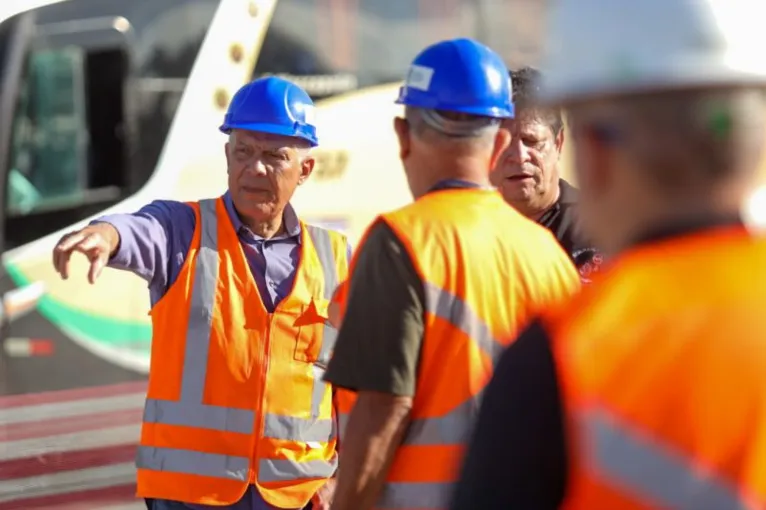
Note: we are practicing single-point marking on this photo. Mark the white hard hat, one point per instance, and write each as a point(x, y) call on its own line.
point(607, 47)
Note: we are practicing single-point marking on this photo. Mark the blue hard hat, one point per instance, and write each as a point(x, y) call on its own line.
point(459, 75)
point(272, 105)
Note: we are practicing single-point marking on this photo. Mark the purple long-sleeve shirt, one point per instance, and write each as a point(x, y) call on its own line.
point(154, 242)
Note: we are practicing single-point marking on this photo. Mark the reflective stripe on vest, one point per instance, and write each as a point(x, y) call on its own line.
point(190, 411)
point(651, 473)
point(453, 428)
point(323, 247)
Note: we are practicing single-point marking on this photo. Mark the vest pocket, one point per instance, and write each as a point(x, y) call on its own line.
point(316, 336)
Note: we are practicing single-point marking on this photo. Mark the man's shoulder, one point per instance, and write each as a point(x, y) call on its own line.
point(325, 230)
point(165, 212)
point(172, 206)
point(378, 232)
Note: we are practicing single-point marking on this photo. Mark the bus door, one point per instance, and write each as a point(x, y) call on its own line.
point(14, 41)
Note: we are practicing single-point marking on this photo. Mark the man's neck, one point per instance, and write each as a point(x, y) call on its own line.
point(673, 218)
point(265, 229)
point(465, 173)
point(538, 210)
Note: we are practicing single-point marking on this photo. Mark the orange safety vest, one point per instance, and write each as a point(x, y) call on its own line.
point(662, 368)
point(485, 269)
point(235, 393)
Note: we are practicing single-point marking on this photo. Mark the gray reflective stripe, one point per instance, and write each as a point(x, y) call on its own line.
point(323, 246)
point(422, 496)
point(451, 308)
point(189, 410)
point(285, 470)
point(320, 238)
point(298, 429)
point(342, 423)
point(652, 473)
point(203, 416)
point(190, 462)
point(454, 427)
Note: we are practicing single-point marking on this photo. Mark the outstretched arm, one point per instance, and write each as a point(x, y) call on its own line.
point(151, 239)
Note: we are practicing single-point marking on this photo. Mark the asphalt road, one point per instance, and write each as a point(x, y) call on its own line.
point(68, 367)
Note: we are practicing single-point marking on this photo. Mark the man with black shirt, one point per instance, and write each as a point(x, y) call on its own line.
point(528, 173)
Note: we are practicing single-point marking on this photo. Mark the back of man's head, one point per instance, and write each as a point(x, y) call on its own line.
point(455, 94)
point(452, 131)
point(649, 160)
point(682, 141)
point(438, 145)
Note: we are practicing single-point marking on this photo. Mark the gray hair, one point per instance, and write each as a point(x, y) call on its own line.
point(451, 127)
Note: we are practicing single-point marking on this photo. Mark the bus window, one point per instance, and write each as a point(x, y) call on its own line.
point(330, 48)
point(333, 47)
point(101, 85)
point(48, 153)
point(68, 148)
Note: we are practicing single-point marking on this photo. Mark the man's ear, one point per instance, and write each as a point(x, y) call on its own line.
point(402, 130)
point(593, 161)
point(502, 141)
point(560, 141)
point(228, 161)
point(307, 167)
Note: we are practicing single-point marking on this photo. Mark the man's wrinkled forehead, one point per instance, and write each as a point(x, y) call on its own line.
point(526, 119)
point(267, 140)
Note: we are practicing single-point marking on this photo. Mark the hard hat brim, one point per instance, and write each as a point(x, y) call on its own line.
point(565, 93)
point(483, 111)
point(272, 129)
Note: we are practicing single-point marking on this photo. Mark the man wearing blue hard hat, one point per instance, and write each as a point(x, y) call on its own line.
point(237, 415)
point(436, 286)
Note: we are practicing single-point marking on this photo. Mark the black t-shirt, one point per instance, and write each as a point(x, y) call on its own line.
point(561, 219)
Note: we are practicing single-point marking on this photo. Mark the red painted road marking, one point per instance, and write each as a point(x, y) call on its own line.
point(67, 425)
point(70, 450)
point(66, 461)
point(78, 394)
point(96, 499)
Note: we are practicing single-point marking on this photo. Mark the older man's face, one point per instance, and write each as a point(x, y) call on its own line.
point(264, 171)
point(527, 173)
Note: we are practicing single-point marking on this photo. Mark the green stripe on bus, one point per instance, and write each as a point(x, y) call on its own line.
point(103, 330)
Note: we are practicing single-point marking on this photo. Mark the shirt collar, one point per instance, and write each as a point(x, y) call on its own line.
point(456, 184)
point(290, 217)
point(568, 194)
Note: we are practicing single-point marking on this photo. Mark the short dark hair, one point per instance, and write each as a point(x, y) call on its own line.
point(526, 84)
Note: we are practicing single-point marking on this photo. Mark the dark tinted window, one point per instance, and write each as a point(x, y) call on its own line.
point(335, 47)
point(102, 83)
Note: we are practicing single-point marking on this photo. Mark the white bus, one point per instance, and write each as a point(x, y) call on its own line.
point(106, 105)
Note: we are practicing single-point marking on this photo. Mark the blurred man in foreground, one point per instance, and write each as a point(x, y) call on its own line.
point(646, 391)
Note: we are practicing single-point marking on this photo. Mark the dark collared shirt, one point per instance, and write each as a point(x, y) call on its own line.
point(561, 219)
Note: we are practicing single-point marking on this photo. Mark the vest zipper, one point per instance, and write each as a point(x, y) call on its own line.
point(259, 421)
